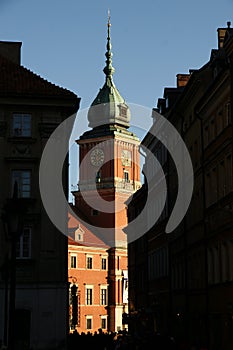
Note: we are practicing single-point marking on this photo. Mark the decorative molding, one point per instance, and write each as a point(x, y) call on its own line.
point(21, 150)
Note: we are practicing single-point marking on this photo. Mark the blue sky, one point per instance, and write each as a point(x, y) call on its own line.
point(152, 41)
point(65, 41)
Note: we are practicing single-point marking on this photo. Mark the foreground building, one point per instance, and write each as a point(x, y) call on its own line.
point(31, 109)
point(109, 172)
point(183, 281)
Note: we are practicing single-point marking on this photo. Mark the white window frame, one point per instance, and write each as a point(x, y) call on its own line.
point(89, 298)
point(126, 176)
point(106, 322)
point(73, 256)
point(103, 258)
point(89, 318)
point(104, 301)
point(87, 263)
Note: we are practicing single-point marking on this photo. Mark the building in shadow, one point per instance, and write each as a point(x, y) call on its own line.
point(183, 281)
point(31, 109)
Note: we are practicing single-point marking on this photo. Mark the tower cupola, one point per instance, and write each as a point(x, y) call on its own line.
point(109, 107)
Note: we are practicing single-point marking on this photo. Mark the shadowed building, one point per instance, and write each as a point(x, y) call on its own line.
point(31, 108)
point(188, 287)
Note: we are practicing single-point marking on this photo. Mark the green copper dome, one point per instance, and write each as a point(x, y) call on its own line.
point(109, 107)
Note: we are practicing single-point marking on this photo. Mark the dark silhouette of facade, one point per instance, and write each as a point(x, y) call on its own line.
point(31, 109)
point(183, 280)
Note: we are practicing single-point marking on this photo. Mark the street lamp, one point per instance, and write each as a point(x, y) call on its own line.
point(73, 302)
point(13, 219)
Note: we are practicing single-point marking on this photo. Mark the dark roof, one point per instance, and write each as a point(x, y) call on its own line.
point(19, 81)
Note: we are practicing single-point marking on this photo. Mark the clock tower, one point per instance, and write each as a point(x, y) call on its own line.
point(109, 160)
point(109, 173)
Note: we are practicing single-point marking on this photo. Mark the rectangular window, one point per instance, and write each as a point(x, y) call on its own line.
point(103, 263)
point(89, 296)
point(89, 262)
point(73, 261)
point(103, 323)
point(89, 322)
point(23, 244)
point(126, 176)
point(103, 296)
point(23, 180)
point(21, 125)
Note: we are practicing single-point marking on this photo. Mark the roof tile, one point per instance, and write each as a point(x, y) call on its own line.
point(18, 80)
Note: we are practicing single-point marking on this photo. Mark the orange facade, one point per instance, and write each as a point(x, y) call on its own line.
point(109, 174)
point(88, 271)
point(100, 276)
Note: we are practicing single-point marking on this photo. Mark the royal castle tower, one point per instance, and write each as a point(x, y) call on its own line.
point(109, 173)
point(109, 162)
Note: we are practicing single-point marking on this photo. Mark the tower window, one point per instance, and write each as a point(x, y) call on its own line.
point(126, 176)
point(123, 111)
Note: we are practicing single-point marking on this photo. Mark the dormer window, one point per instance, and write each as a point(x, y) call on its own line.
point(79, 234)
point(123, 111)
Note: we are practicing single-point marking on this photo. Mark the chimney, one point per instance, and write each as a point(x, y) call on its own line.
point(221, 35)
point(182, 79)
point(11, 50)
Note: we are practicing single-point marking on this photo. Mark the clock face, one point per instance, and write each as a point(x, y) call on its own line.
point(126, 157)
point(97, 157)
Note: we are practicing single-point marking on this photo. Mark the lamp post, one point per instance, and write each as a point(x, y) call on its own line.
point(73, 301)
point(12, 217)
